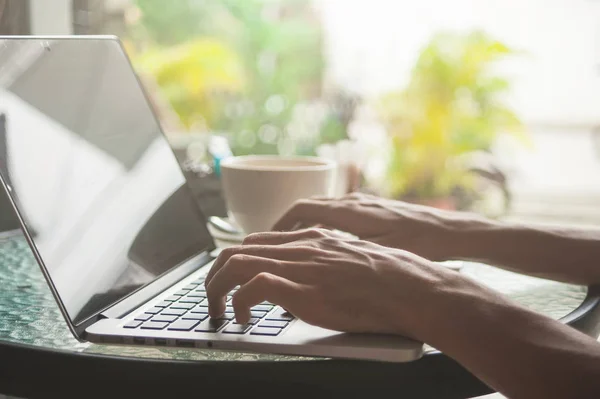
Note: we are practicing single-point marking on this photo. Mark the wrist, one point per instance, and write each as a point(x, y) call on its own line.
point(459, 310)
point(431, 305)
point(467, 237)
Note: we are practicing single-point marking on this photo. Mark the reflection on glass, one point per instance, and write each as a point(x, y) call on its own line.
point(94, 179)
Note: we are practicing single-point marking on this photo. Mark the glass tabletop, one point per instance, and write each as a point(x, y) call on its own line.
point(29, 314)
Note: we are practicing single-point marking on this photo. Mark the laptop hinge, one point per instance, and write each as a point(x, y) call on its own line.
point(155, 288)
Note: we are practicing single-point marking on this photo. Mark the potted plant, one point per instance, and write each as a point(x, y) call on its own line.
point(452, 107)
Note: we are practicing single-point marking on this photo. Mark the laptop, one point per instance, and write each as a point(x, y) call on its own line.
point(110, 218)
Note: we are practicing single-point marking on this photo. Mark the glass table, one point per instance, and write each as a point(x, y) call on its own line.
point(30, 319)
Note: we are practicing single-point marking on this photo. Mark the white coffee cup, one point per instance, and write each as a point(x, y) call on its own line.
point(259, 189)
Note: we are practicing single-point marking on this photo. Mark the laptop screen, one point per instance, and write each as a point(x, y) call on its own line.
point(94, 179)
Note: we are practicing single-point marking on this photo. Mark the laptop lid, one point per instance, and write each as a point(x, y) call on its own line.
point(99, 192)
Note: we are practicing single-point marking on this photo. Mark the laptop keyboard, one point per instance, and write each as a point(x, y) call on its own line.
point(187, 310)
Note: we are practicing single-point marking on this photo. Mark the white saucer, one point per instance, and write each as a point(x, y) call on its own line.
point(219, 235)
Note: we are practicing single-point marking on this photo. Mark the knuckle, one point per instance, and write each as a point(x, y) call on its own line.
point(316, 233)
point(238, 259)
point(303, 204)
point(323, 232)
point(254, 237)
point(234, 267)
point(228, 252)
point(264, 278)
point(330, 241)
point(403, 255)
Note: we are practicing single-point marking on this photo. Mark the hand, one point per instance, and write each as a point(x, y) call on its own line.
point(329, 281)
point(419, 229)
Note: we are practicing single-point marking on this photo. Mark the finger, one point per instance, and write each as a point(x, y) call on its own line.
point(298, 214)
point(322, 198)
point(274, 252)
point(310, 213)
point(305, 226)
point(282, 237)
point(357, 196)
point(267, 287)
point(238, 270)
point(322, 227)
point(272, 237)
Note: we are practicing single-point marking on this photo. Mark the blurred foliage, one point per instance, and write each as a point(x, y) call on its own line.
point(172, 23)
point(239, 67)
point(192, 75)
point(452, 106)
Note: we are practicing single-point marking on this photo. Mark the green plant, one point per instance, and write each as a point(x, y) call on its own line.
point(194, 77)
point(281, 48)
point(452, 106)
point(277, 63)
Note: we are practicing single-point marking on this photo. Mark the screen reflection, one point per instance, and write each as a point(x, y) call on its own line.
point(92, 175)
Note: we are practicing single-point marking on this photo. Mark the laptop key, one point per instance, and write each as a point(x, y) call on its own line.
point(230, 315)
point(183, 325)
point(163, 304)
point(265, 331)
point(280, 314)
point(204, 302)
point(257, 314)
point(190, 287)
point(173, 312)
point(195, 316)
point(153, 310)
point(273, 324)
point(154, 325)
point(200, 309)
point(180, 305)
point(172, 298)
point(252, 321)
point(227, 316)
point(133, 324)
point(237, 328)
point(164, 318)
point(143, 317)
point(181, 292)
point(262, 308)
point(195, 294)
point(211, 325)
point(191, 300)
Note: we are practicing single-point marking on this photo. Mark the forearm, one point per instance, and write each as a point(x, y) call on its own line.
point(517, 352)
point(564, 254)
